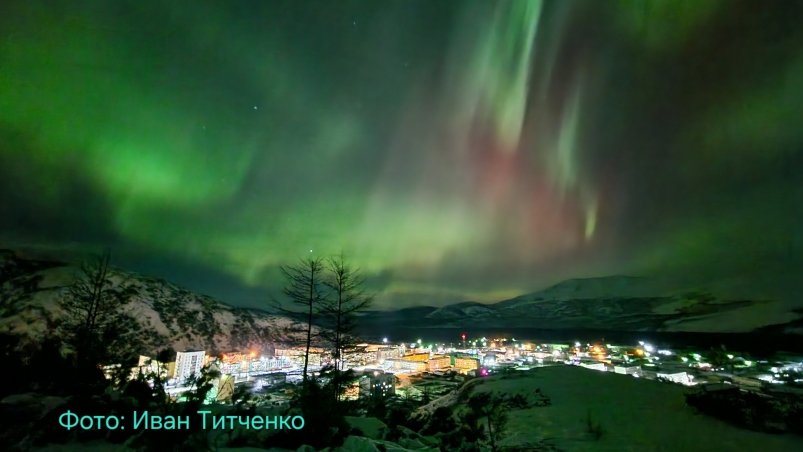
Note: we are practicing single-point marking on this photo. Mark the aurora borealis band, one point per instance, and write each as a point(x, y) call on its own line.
point(452, 150)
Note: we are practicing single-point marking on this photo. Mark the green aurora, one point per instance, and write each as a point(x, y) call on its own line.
point(452, 150)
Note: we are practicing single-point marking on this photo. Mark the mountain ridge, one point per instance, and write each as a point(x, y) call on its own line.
point(616, 302)
point(172, 316)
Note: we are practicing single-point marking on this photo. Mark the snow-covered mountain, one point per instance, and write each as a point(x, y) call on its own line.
point(30, 290)
point(623, 303)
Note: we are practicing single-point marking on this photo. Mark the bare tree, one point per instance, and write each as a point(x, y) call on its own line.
point(305, 290)
point(493, 408)
point(345, 299)
point(95, 322)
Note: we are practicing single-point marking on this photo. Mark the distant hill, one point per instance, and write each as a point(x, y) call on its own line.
point(173, 317)
point(624, 303)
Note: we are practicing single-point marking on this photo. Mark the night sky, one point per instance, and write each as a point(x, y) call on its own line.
point(454, 150)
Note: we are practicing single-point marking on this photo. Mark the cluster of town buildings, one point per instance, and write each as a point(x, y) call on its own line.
point(385, 367)
point(379, 364)
point(689, 367)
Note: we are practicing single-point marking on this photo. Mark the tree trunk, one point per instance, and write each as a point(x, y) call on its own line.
point(309, 324)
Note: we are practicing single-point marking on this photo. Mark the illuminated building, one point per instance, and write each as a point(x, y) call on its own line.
point(598, 352)
point(360, 355)
point(679, 377)
point(438, 362)
point(352, 391)
point(297, 355)
point(149, 366)
point(290, 352)
point(110, 370)
point(234, 358)
point(188, 364)
point(377, 384)
point(406, 365)
point(384, 353)
point(594, 366)
point(627, 370)
point(465, 364)
point(416, 356)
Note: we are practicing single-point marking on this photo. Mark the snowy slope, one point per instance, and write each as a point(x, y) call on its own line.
point(635, 415)
point(623, 303)
point(30, 291)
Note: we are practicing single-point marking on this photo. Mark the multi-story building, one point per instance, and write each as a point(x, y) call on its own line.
point(387, 352)
point(406, 365)
point(289, 352)
point(466, 364)
point(352, 391)
point(421, 356)
point(296, 355)
point(188, 363)
point(377, 384)
point(360, 355)
point(245, 364)
point(438, 363)
point(489, 359)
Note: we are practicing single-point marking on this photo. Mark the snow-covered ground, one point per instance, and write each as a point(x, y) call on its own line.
point(742, 319)
point(636, 415)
